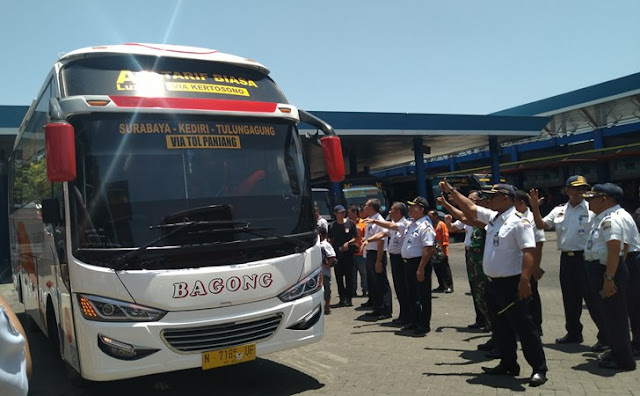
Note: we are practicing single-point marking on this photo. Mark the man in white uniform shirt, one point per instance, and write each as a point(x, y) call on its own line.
point(607, 273)
point(572, 221)
point(417, 248)
point(631, 239)
point(376, 257)
point(508, 263)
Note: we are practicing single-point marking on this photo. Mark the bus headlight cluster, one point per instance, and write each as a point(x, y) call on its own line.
point(305, 287)
point(108, 310)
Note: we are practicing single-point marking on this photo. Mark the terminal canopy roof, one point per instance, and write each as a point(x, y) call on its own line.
point(383, 140)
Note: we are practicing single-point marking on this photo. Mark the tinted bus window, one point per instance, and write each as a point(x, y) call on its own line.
point(166, 77)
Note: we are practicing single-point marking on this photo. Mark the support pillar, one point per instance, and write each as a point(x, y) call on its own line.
point(421, 183)
point(494, 152)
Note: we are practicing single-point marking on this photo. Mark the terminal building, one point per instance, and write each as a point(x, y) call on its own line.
point(593, 131)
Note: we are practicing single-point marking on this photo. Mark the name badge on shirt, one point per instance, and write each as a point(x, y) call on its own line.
point(496, 240)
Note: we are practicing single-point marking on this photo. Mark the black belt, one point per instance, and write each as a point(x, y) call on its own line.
point(502, 278)
point(573, 253)
point(412, 258)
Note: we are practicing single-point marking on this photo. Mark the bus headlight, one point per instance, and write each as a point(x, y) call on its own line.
point(305, 287)
point(104, 309)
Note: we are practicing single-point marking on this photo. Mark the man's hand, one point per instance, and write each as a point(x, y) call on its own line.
point(524, 288)
point(608, 289)
point(445, 187)
point(420, 275)
point(534, 198)
point(369, 220)
point(345, 247)
point(378, 267)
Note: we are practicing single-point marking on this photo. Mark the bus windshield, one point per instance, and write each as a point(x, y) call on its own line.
point(167, 77)
point(360, 195)
point(140, 177)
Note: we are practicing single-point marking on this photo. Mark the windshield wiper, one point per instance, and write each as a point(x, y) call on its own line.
point(121, 262)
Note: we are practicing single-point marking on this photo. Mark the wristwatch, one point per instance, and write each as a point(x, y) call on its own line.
point(608, 277)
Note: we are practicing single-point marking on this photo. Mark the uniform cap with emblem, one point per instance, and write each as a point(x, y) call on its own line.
point(422, 201)
point(605, 190)
point(577, 181)
point(506, 189)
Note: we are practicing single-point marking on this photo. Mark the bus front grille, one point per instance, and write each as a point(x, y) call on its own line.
point(207, 338)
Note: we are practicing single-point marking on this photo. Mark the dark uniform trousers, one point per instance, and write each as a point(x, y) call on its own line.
point(575, 288)
point(442, 269)
point(536, 305)
point(399, 284)
point(419, 293)
point(512, 317)
point(344, 275)
point(614, 310)
point(378, 284)
point(633, 297)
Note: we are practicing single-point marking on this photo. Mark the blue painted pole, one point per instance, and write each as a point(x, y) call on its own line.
point(494, 150)
point(421, 183)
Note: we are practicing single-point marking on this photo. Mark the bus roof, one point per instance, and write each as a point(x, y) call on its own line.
point(167, 50)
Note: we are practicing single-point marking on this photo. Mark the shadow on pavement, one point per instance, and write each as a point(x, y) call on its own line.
point(591, 366)
point(568, 348)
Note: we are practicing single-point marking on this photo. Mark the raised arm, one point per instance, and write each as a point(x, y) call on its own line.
point(535, 200)
point(467, 206)
point(383, 223)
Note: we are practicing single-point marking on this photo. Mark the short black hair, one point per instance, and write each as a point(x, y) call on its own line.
point(522, 195)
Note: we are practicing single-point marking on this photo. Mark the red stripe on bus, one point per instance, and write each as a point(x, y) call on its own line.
point(194, 104)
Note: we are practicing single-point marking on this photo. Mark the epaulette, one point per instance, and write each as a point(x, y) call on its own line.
point(519, 214)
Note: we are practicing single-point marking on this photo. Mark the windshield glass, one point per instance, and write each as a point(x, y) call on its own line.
point(150, 76)
point(140, 178)
point(360, 195)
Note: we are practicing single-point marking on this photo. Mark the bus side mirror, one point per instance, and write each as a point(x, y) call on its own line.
point(51, 211)
point(332, 151)
point(61, 151)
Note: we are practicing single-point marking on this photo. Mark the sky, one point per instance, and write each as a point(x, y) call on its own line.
point(422, 56)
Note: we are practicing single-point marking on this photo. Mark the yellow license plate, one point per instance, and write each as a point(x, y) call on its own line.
point(228, 356)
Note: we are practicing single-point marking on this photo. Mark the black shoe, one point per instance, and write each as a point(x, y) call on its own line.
point(439, 289)
point(476, 325)
point(384, 316)
point(493, 354)
point(487, 346)
point(348, 303)
point(537, 379)
point(569, 339)
point(613, 365)
point(399, 322)
point(605, 356)
point(420, 331)
point(599, 347)
point(411, 326)
point(367, 304)
point(373, 313)
point(448, 290)
point(339, 305)
point(503, 370)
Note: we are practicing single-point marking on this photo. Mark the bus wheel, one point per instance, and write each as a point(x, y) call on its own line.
point(52, 331)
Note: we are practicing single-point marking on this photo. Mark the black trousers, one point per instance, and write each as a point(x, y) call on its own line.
point(511, 318)
point(379, 288)
point(575, 288)
point(398, 268)
point(536, 305)
point(418, 293)
point(614, 311)
point(344, 275)
point(443, 273)
point(633, 297)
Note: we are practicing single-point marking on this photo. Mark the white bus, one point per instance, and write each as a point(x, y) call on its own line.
point(161, 214)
